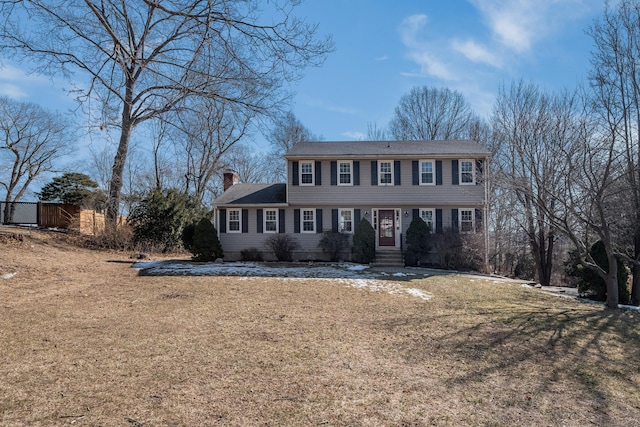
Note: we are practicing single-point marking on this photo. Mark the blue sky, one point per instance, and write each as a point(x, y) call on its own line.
point(384, 48)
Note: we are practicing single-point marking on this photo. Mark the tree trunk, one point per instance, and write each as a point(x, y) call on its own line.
point(635, 270)
point(115, 186)
point(611, 281)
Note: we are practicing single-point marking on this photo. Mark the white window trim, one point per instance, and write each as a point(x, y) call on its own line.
point(239, 230)
point(433, 171)
point(352, 220)
point(380, 162)
point(313, 173)
point(313, 222)
point(433, 217)
point(473, 220)
point(350, 162)
point(473, 172)
point(264, 221)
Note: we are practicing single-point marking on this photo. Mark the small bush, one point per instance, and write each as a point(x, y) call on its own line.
point(592, 286)
point(251, 254)
point(364, 243)
point(418, 244)
point(206, 245)
point(282, 246)
point(458, 251)
point(333, 243)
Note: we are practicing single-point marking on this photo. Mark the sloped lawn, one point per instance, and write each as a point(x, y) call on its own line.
point(87, 341)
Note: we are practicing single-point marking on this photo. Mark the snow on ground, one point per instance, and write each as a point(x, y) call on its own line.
point(353, 275)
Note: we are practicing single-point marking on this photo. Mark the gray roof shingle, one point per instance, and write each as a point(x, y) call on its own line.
point(253, 194)
point(376, 149)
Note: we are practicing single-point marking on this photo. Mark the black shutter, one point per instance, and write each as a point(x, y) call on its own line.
point(259, 222)
point(396, 172)
point(296, 220)
point(295, 172)
point(479, 228)
point(454, 172)
point(318, 220)
point(415, 173)
point(334, 220)
point(479, 170)
point(438, 172)
point(454, 219)
point(281, 228)
point(223, 221)
point(334, 172)
point(356, 218)
point(374, 172)
point(245, 220)
point(439, 221)
point(356, 172)
point(416, 213)
point(318, 170)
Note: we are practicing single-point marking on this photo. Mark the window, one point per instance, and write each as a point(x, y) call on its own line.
point(306, 173)
point(233, 221)
point(385, 172)
point(345, 220)
point(426, 172)
point(428, 216)
point(466, 220)
point(270, 220)
point(308, 221)
point(466, 172)
point(344, 173)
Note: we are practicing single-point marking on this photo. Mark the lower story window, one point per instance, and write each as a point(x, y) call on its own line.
point(427, 216)
point(234, 221)
point(270, 221)
point(345, 219)
point(308, 221)
point(466, 220)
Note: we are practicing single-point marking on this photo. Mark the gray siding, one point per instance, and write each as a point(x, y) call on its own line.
point(405, 194)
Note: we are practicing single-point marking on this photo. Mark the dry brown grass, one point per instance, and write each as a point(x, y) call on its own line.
point(86, 341)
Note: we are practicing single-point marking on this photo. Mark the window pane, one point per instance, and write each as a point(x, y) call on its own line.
point(271, 220)
point(385, 173)
point(345, 173)
point(346, 221)
point(466, 172)
point(427, 173)
point(466, 220)
point(306, 173)
point(308, 223)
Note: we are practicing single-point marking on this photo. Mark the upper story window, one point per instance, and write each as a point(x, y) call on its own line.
point(428, 216)
point(466, 220)
point(467, 172)
point(427, 172)
point(345, 173)
point(345, 220)
point(306, 173)
point(385, 172)
point(308, 221)
point(233, 220)
point(270, 220)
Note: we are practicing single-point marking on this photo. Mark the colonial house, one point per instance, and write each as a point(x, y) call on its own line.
point(331, 186)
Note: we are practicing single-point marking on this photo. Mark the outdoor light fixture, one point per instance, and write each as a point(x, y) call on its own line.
point(406, 213)
point(366, 213)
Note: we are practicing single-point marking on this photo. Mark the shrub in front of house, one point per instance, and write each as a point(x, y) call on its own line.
point(251, 254)
point(282, 246)
point(457, 251)
point(364, 243)
point(418, 244)
point(206, 245)
point(333, 243)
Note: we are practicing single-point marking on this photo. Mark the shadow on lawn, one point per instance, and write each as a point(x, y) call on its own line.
point(588, 352)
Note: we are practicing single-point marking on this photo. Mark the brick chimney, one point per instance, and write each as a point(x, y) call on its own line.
point(230, 178)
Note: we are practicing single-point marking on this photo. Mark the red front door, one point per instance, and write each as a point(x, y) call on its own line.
point(386, 228)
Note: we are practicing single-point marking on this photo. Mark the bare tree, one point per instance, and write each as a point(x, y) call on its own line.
point(375, 133)
point(285, 133)
point(32, 140)
point(528, 122)
point(145, 58)
point(615, 75)
point(431, 114)
point(250, 166)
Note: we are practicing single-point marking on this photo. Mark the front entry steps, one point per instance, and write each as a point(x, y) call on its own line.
point(389, 258)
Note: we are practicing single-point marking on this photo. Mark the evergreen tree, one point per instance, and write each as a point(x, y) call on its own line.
point(417, 241)
point(364, 243)
point(206, 245)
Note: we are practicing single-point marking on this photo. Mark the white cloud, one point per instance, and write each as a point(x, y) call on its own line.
point(421, 52)
point(12, 91)
point(519, 24)
point(332, 108)
point(359, 136)
point(476, 52)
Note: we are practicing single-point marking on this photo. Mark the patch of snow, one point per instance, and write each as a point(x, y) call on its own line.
point(629, 307)
point(354, 267)
point(8, 275)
